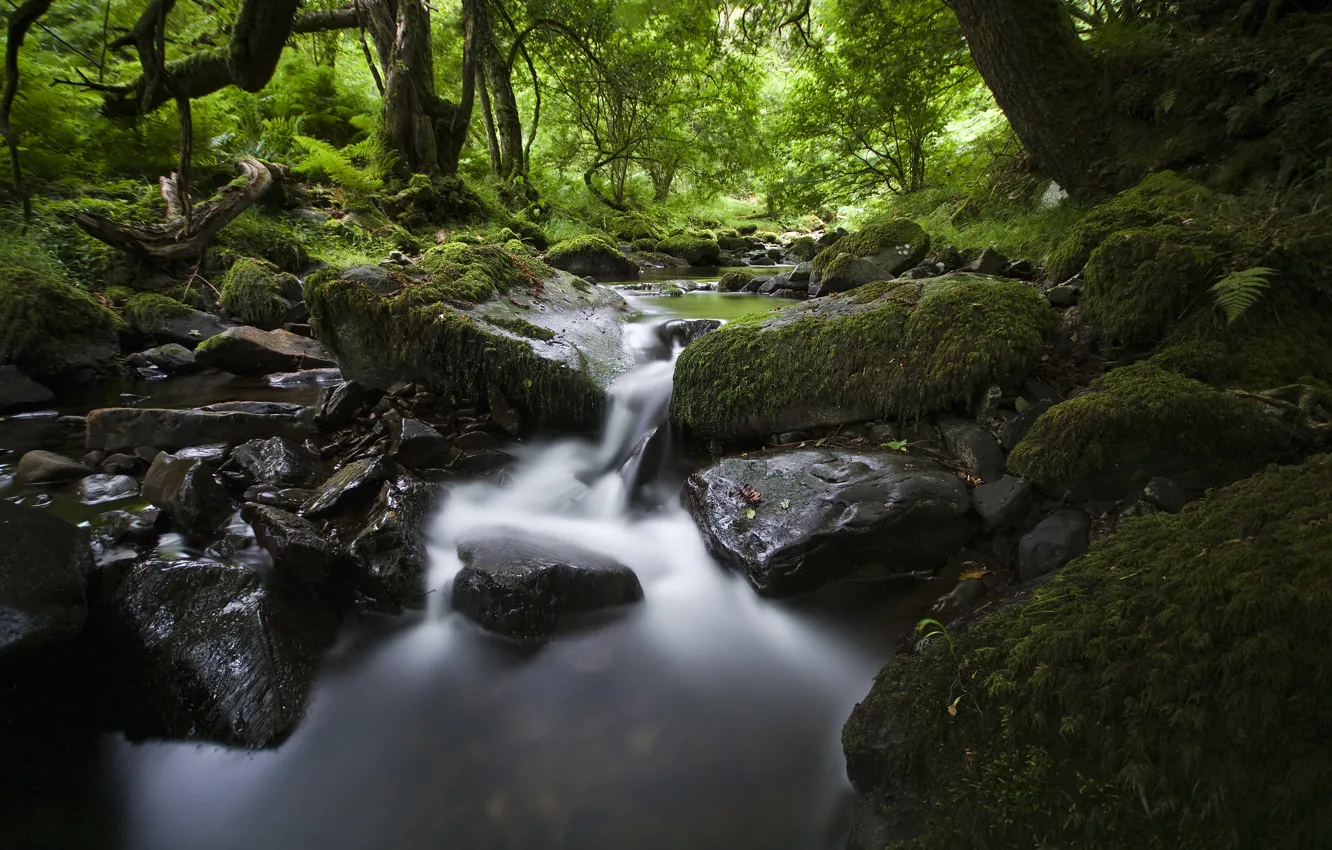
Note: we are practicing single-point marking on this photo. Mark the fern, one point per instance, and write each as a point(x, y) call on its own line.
point(1238, 291)
point(354, 168)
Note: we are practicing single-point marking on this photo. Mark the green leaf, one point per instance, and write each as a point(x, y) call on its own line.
point(1238, 291)
point(751, 513)
point(786, 504)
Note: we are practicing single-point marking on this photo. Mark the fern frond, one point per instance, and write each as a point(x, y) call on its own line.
point(1238, 291)
point(323, 161)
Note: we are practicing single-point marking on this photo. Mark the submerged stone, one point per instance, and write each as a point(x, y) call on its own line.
point(798, 520)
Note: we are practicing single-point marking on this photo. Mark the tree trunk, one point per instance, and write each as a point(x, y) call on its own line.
point(488, 119)
point(1048, 85)
point(507, 120)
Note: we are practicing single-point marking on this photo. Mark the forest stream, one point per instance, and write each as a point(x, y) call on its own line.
point(705, 717)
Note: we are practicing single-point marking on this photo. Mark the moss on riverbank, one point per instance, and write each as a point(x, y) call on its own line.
point(48, 327)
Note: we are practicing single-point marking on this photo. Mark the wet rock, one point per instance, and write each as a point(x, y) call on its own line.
point(202, 650)
point(1056, 540)
point(120, 429)
point(123, 464)
point(213, 454)
point(301, 551)
point(339, 405)
point(474, 441)
point(390, 551)
point(1016, 429)
point(503, 413)
point(681, 332)
point(483, 460)
point(258, 408)
point(93, 459)
point(43, 467)
point(250, 351)
point(306, 377)
point(822, 515)
point(1002, 504)
point(185, 488)
point(521, 590)
point(1063, 296)
point(279, 462)
point(106, 488)
point(189, 327)
point(19, 392)
point(116, 527)
point(356, 482)
point(1166, 494)
point(44, 564)
point(975, 449)
point(172, 358)
point(414, 443)
point(801, 273)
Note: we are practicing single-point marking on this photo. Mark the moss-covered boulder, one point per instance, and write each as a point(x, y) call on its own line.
point(474, 318)
point(892, 348)
point(696, 250)
point(164, 319)
point(1141, 282)
point(879, 251)
point(257, 293)
point(1161, 198)
point(1165, 690)
point(49, 328)
point(734, 281)
point(1143, 421)
point(631, 227)
point(584, 255)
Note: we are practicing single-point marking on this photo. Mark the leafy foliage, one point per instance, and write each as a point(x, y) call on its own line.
point(1238, 291)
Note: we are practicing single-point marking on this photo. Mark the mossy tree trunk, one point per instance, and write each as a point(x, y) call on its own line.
point(508, 124)
point(1047, 83)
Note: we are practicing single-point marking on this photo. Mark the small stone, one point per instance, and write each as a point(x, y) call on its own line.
point(1003, 503)
point(356, 482)
point(1063, 296)
point(339, 405)
point(415, 444)
point(279, 462)
point(1166, 494)
point(976, 449)
point(123, 464)
point(989, 262)
point(185, 488)
point(1056, 540)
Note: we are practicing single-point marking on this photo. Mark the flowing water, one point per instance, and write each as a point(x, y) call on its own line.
point(702, 717)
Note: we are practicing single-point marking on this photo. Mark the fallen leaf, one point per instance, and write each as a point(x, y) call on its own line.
point(750, 495)
point(786, 504)
point(751, 513)
point(970, 574)
point(952, 709)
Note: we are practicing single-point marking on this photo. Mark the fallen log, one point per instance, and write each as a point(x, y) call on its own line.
point(180, 238)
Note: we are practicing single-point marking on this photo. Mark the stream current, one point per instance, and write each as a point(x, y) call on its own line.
point(703, 717)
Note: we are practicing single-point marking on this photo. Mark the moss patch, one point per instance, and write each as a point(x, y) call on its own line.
point(49, 327)
point(1140, 421)
point(1141, 282)
point(1161, 198)
point(898, 233)
point(466, 274)
point(1165, 690)
point(734, 281)
point(694, 249)
point(522, 327)
point(149, 312)
point(593, 254)
point(253, 290)
point(895, 348)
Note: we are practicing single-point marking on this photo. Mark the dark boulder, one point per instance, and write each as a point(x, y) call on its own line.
point(122, 429)
point(203, 650)
point(301, 551)
point(339, 405)
point(390, 551)
point(413, 443)
point(681, 332)
point(520, 590)
point(185, 488)
point(1056, 540)
point(1002, 504)
point(798, 520)
point(355, 483)
point(279, 462)
point(44, 564)
point(172, 358)
point(250, 351)
point(19, 392)
point(43, 467)
point(975, 449)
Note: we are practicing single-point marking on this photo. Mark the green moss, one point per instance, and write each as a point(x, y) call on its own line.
point(896, 348)
point(872, 239)
point(45, 321)
point(571, 251)
point(461, 273)
point(671, 290)
point(253, 290)
point(1161, 198)
point(804, 248)
point(522, 327)
point(697, 250)
point(646, 246)
point(1140, 421)
point(254, 234)
point(1141, 282)
point(530, 232)
point(149, 312)
point(1166, 690)
point(734, 281)
point(632, 226)
point(118, 295)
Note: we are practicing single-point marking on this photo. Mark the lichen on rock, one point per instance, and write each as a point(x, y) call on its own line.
point(891, 348)
point(1091, 716)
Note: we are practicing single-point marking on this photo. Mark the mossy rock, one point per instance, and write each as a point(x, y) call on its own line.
point(530, 232)
point(631, 227)
point(1161, 198)
point(50, 328)
point(584, 255)
point(644, 246)
point(803, 248)
point(258, 293)
point(1165, 690)
point(1139, 283)
point(894, 245)
point(255, 234)
point(1139, 422)
point(483, 319)
point(897, 348)
point(431, 200)
point(694, 249)
point(734, 281)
